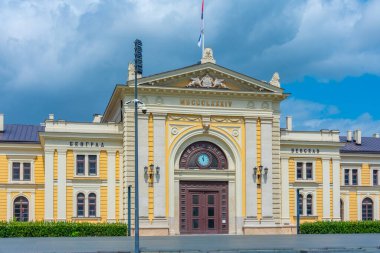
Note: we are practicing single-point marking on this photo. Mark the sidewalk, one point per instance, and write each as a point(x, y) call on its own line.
point(193, 244)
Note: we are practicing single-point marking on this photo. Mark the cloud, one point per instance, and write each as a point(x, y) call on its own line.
point(334, 39)
point(309, 115)
point(51, 43)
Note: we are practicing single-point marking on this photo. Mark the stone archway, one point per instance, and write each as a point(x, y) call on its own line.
point(203, 155)
point(231, 175)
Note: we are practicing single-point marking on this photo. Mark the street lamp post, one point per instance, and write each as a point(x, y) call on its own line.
point(298, 211)
point(138, 70)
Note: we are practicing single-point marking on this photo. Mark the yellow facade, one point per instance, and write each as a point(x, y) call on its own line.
point(4, 170)
point(353, 206)
point(258, 150)
point(150, 161)
point(365, 174)
point(3, 205)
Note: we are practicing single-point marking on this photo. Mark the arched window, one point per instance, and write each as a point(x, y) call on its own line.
point(367, 209)
point(203, 155)
point(341, 210)
point(309, 204)
point(80, 205)
point(21, 209)
point(92, 205)
point(300, 207)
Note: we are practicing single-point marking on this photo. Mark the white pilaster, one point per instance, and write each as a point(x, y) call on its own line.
point(111, 185)
point(251, 162)
point(61, 202)
point(376, 207)
point(326, 188)
point(159, 160)
point(143, 161)
point(346, 207)
point(285, 191)
point(121, 185)
point(266, 181)
point(49, 184)
point(336, 189)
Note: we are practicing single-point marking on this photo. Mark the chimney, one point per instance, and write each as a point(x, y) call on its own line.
point(97, 118)
point(376, 135)
point(349, 135)
point(51, 116)
point(358, 137)
point(289, 123)
point(1, 122)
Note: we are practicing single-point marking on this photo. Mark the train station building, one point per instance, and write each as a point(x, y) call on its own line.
point(213, 159)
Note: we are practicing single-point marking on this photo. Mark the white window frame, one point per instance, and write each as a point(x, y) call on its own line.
point(378, 175)
point(86, 190)
point(86, 166)
point(20, 192)
point(304, 203)
point(375, 201)
point(350, 175)
point(21, 161)
point(304, 170)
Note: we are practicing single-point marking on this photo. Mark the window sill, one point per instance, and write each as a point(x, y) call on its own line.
point(86, 218)
point(307, 217)
point(305, 180)
point(84, 176)
point(21, 182)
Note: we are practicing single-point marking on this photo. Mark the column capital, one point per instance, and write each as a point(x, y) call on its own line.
point(61, 150)
point(266, 120)
point(250, 119)
point(49, 151)
point(159, 116)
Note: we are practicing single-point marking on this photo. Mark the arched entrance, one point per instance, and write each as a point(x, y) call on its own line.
point(203, 204)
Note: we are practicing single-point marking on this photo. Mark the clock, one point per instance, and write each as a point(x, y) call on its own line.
point(204, 160)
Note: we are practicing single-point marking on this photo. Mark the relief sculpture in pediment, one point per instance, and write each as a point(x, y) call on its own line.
point(207, 82)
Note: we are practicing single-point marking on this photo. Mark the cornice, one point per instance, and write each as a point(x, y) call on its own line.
point(175, 91)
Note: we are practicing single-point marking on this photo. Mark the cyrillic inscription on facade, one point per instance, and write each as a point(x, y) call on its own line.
point(305, 150)
point(206, 102)
point(86, 144)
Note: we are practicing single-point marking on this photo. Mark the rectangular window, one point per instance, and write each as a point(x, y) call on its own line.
point(309, 205)
point(27, 171)
point(300, 171)
point(375, 177)
point(92, 164)
point(16, 171)
point(309, 171)
point(346, 177)
point(300, 204)
point(354, 177)
point(80, 164)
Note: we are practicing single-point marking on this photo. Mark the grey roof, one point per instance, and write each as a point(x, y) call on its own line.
point(21, 133)
point(369, 145)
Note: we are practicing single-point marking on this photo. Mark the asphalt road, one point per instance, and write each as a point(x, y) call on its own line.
point(194, 244)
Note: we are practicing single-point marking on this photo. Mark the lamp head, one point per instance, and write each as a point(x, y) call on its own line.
point(146, 170)
point(157, 170)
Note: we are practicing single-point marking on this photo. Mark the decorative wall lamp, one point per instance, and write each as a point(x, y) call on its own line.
point(150, 172)
point(258, 172)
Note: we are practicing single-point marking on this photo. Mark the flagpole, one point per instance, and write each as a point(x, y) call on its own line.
point(203, 37)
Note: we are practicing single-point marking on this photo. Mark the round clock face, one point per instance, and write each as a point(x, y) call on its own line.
point(204, 160)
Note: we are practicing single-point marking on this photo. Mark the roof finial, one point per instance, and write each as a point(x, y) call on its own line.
point(131, 72)
point(275, 81)
point(208, 56)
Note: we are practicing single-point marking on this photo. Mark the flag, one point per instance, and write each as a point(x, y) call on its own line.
point(202, 26)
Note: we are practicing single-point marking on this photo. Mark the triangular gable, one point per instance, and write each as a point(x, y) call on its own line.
point(207, 76)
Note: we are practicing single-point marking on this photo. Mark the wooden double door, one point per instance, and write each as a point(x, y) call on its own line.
point(203, 207)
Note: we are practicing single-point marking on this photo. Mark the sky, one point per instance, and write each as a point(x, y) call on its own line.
point(65, 57)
